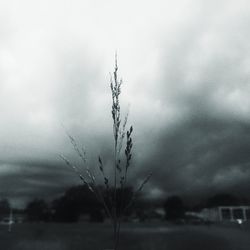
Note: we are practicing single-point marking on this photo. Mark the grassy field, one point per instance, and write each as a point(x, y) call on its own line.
point(133, 237)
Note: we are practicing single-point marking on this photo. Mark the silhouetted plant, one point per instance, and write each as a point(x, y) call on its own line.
point(115, 200)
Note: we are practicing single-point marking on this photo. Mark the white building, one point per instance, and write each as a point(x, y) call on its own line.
point(226, 213)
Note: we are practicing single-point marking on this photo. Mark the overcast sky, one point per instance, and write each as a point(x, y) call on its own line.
point(186, 71)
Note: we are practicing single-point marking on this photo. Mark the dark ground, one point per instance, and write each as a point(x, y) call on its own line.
point(154, 236)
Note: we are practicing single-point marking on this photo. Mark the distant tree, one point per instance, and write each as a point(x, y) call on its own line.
point(37, 210)
point(223, 200)
point(174, 208)
point(64, 210)
point(4, 206)
point(141, 207)
point(76, 201)
point(96, 215)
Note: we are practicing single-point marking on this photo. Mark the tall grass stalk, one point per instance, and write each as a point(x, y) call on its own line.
point(121, 165)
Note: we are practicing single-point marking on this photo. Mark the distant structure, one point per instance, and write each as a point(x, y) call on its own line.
point(234, 213)
point(11, 218)
point(226, 213)
point(11, 221)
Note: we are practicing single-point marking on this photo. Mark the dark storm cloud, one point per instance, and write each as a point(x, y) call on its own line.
point(202, 154)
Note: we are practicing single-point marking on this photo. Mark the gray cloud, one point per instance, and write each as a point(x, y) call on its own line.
point(186, 72)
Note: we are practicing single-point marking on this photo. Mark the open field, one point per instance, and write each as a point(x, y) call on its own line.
point(158, 236)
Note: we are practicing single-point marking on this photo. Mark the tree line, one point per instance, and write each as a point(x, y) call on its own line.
point(78, 201)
